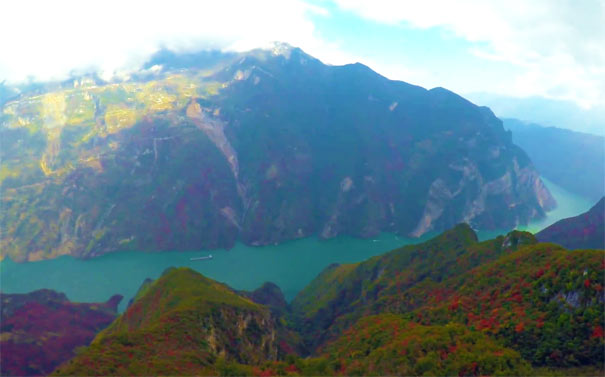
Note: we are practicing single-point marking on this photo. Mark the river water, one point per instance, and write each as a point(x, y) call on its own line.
point(290, 265)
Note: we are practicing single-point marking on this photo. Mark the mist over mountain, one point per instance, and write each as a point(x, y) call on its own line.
point(545, 112)
point(573, 160)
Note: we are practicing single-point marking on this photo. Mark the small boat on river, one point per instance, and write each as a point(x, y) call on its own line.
point(202, 258)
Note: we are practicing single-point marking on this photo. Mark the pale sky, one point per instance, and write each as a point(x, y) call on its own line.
point(520, 48)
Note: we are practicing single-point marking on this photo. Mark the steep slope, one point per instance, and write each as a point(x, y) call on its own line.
point(585, 231)
point(572, 160)
point(387, 345)
point(262, 146)
point(182, 324)
point(42, 329)
point(537, 298)
point(342, 294)
point(543, 300)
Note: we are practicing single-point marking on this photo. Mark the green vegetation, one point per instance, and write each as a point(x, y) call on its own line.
point(542, 300)
point(182, 324)
point(388, 345)
point(270, 136)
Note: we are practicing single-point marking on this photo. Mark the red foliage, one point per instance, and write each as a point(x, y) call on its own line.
point(587, 283)
point(291, 368)
point(47, 335)
point(597, 332)
point(539, 273)
point(454, 305)
point(520, 327)
point(266, 373)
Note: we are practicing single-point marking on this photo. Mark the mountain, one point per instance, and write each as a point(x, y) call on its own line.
point(342, 294)
point(198, 151)
point(544, 301)
point(42, 329)
point(572, 160)
point(545, 111)
point(449, 306)
point(183, 324)
point(537, 298)
point(585, 231)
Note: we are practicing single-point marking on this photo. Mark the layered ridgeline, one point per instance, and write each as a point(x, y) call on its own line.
point(199, 151)
point(585, 231)
point(572, 160)
point(450, 306)
point(42, 329)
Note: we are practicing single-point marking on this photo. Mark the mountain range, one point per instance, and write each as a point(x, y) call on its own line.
point(199, 151)
point(572, 160)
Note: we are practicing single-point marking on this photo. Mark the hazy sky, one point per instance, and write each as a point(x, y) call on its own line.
point(550, 48)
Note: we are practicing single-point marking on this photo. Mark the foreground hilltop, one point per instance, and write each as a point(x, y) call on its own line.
point(449, 306)
point(198, 151)
point(184, 324)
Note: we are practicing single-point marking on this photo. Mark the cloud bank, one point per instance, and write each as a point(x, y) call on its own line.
point(48, 40)
point(557, 45)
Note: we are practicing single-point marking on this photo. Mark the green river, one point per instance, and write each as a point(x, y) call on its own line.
point(291, 265)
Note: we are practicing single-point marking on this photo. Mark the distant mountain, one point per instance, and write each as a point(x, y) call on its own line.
point(572, 160)
point(585, 231)
point(198, 151)
point(449, 306)
point(42, 329)
point(544, 111)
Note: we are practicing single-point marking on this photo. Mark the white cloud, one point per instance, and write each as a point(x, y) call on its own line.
point(48, 39)
point(557, 43)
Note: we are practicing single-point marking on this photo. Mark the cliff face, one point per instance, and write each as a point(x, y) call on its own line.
point(42, 329)
point(264, 147)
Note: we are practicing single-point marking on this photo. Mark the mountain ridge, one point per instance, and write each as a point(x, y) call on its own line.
point(262, 147)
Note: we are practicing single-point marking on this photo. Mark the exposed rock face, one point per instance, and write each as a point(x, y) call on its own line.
point(42, 329)
point(257, 147)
